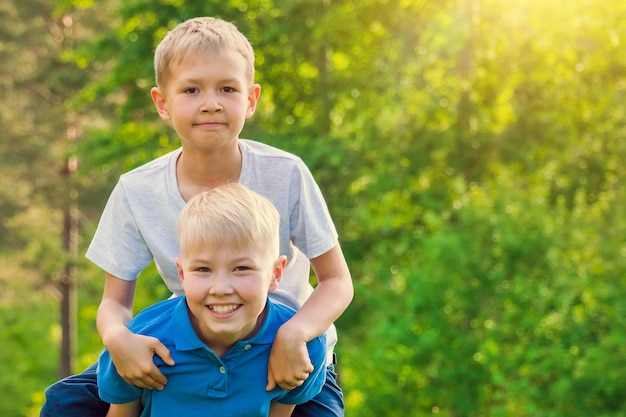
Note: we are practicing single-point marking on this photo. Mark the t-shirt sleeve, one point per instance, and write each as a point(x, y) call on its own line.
point(316, 380)
point(118, 246)
point(312, 228)
point(111, 387)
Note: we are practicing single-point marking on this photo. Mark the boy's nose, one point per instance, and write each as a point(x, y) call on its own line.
point(220, 284)
point(211, 104)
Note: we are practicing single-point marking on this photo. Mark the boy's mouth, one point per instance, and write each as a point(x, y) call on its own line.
point(224, 309)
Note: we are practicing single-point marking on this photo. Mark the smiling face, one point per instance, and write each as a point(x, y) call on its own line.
point(207, 98)
point(229, 260)
point(226, 291)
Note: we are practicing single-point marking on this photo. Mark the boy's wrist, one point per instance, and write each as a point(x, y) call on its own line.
point(113, 334)
point(294, 330)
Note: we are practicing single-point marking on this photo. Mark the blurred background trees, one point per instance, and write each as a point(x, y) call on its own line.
point(471, 152)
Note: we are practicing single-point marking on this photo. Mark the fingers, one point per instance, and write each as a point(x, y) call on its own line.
point(149, 382)
point(291, 382)
point(289, 365)
point(162, 352)
point(310, 368)
point(298, 381)
point(304, 376)
point(150, 379)
point(271, 382)
point(149, 376)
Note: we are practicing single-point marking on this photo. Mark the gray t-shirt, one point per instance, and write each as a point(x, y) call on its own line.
point(138, 223)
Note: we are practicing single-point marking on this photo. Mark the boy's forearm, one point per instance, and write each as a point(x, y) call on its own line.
point(115, 309)
point(325, 305)
point(111, 317)
point(281, 410)
point(331, 296)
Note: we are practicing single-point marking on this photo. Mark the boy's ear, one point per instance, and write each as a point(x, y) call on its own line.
point(279, 268)
point(179, 266)
point(253, 97)
point(160, 103)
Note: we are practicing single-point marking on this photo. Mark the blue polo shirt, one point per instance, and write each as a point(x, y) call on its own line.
point(201, 382)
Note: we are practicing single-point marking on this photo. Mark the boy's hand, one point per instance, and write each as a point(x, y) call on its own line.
point(289, 363)
point(132, 356)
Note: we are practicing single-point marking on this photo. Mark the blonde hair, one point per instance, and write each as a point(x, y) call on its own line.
point(230, 215)
point(200, 35)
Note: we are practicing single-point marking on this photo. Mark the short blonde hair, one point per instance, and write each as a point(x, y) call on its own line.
point(200, 35)
point(230, 215)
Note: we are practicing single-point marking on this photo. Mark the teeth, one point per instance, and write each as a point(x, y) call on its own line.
point(224, 309)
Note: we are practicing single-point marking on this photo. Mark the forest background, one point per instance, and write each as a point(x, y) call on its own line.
point(472, 152)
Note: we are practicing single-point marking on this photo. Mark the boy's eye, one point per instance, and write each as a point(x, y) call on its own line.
point(242, 268)
point(203, 269)
point(228, 89)
point(191, 90)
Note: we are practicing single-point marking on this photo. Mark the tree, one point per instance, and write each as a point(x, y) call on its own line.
point(38, 234)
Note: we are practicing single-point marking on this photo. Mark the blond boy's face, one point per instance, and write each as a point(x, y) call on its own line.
point(227, 290)
point(207, 99)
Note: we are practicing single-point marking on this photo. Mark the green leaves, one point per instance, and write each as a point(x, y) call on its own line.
point(471, 155)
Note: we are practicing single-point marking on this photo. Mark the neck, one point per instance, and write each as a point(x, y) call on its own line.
point(196, 172)
point(221, 345)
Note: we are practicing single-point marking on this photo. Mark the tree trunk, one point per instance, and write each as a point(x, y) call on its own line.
point(67, 283)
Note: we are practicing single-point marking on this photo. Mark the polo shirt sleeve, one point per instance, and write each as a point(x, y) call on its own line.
point(111, 386)
point(316, 380)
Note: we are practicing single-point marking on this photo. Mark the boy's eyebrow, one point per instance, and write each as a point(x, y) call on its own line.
point(232, 81)
point(203, 259)
point(192, 80)
point(245, 259)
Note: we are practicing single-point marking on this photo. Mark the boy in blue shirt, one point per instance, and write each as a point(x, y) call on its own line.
point(221, 331)
point(205, 89)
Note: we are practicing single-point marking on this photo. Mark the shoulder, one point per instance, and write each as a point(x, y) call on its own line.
point(158, 166)
point(276, 314)
point(262, 150)
point(154, 320)
point(264, 166)
point(150, 183)
point(279, 312)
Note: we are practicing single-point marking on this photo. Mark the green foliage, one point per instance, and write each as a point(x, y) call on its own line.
point(471, 154)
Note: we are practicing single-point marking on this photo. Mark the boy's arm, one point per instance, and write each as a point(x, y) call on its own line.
point(278, 410)
point(132, 409)
point(289, 363)
point(131, 353)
